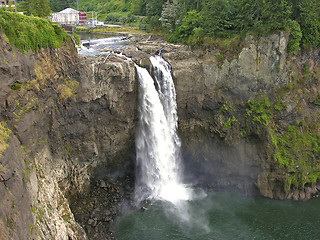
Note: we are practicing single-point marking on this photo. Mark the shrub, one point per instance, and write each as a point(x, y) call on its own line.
point(259, 111)
point(297, 149)
point(68, 89)
point(4, 135)
point(295, 37)
point(76, 39)
point(31, 33)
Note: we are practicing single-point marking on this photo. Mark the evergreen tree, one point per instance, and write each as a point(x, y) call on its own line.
point(309, 20)
point(58, 5)
point(191, 23)
point(39, 8)
point(170, 15)
point(218, 17)
point(154, 7)
point(138, 7)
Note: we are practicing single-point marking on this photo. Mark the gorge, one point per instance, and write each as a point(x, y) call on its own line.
point(69, 124)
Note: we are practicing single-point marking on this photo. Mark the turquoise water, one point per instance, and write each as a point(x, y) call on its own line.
point(222, 216)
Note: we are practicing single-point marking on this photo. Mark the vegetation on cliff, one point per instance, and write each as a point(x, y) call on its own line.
point(296, 147)
point(31, 33)
point(297, 150)
point(4, 135)
point(199, 23)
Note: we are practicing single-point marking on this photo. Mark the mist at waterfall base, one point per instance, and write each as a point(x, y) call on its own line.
point(157, 143)
point(168, 209)
point(226, 216)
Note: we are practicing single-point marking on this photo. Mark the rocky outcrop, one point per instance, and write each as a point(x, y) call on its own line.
point(224, 145)
point(235, 108)
point(71, 121)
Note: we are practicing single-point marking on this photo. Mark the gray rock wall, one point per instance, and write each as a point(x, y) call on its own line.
point(214, 88)
point(72, 122)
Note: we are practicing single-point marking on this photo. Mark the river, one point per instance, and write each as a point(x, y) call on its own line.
point(95, 43)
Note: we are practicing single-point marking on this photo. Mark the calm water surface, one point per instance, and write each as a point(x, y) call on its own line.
point(222, 216)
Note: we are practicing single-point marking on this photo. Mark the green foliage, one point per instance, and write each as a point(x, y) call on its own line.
point(295, 36)
point(68, 89)
point(190, 27)
point(4, 136)
point(170, 15)
point(259, 111)
point(76, 39)
point(58, 5)
point(31, 33)
point(196, 22)
point(154, 7)
point(218, 17)
point(309, 20)
point(317, 101)
point(227, 18)
point(138, 7)
point(65, 217)
point(226, 113)
point(155, 23)
point(297, 150)
point(220, 58)
point(118, 17)
point(39, 8)
point(16, 86)
point(278, 105)
point(230, 121)
point(306, 68)
point(81, 29)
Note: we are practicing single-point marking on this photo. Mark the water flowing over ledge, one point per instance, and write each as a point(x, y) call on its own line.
point(157, 143)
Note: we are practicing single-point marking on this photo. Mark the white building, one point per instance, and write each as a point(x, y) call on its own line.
point(67, 16)
point(8, 4)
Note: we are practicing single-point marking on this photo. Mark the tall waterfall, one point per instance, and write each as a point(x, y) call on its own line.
point(157, 143)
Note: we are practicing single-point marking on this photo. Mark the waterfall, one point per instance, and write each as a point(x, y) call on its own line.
point(157, 142)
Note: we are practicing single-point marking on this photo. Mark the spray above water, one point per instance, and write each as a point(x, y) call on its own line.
point(157, 142)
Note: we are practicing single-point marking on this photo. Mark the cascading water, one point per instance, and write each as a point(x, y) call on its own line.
point(157, 143)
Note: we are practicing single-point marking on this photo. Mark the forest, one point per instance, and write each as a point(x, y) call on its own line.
point(200, 22)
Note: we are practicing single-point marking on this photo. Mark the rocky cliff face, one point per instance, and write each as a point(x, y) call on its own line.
point(67, 124)
point(234, 113)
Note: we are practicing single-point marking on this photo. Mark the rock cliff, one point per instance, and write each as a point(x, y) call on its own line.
point(248, 115)
point(249, 121)
point(67, 124)
point(246, 119)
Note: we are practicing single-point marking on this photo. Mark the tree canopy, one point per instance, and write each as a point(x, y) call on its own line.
point(39, 8)
point(191, 21)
